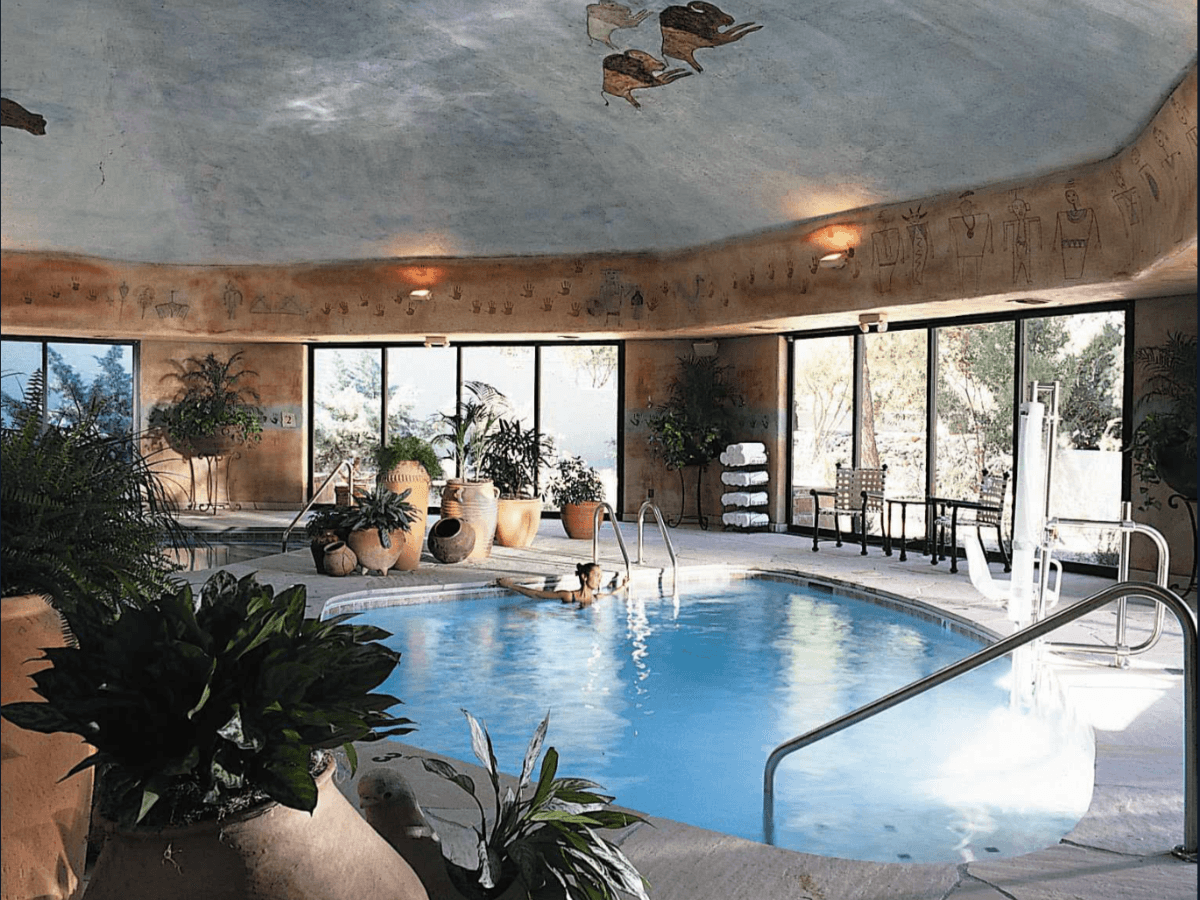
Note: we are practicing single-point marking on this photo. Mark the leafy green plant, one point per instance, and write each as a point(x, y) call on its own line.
point(213, 402)
point(192, 707)
point(545, 833)
point(514, 455)
point(575, 482)
point(324, 520)
point(381, 509)
point(469, 428)
point(408, 447)
point(1164, 441)
point(84, 515)
point(696, 422)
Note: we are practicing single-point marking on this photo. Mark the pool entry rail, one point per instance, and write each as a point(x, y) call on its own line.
point(650, 506)
point(348, 463)
point(597, 518)
point(1191, 687)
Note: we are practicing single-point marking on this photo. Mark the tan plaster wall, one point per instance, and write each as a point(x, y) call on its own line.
point(1153, 319)
point(270, 473)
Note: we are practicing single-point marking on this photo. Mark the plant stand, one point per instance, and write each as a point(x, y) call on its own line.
point(216, 473)
point(1189, 503)
point(699, 518)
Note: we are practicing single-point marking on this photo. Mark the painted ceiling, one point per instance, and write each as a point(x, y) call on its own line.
point(280, 130)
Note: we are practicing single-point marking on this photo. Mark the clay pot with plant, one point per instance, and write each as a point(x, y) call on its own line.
point(408, 464)
point(514, 457)
point(577, 491)
point(473, 496)
point(377, 526)
point(211, 724)
point(323, 528)
point(215, 410)
point(85, 517)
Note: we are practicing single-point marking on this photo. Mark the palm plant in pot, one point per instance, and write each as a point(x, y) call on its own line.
point(84, 517)
point(1164, 440)
point(514, 457)
point(409, 464)
point(545, 837)
point(472, 497)
point(577, 491)
point(213, 412)
point(211, 723)
point(377, 527)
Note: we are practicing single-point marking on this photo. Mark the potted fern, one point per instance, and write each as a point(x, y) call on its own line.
point(211, 723)
point(213, 413)
point(514, 457)
point(577, 491)
point(546, 837)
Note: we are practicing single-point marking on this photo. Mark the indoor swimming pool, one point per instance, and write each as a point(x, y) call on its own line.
point(673, 704)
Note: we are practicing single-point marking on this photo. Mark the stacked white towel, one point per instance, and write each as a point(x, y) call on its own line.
point(745, 498)
point(750, 453)
point(745, 519)
point(744, 479)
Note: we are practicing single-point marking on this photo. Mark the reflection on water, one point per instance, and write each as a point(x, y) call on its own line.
point(199, 557)
point(675, 708)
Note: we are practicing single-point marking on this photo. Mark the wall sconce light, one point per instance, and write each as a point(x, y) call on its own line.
point(420, 294)
point(704, 348)
point(437, 340)
point(866, 320)
point(837, 260)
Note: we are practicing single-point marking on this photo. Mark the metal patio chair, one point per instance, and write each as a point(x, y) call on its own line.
point(985, 512)
point(857, 493)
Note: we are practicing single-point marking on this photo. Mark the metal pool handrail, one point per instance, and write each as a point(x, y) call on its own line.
point(662, 529)
point(612, 518)
point(1168, 598)
point(349, 464)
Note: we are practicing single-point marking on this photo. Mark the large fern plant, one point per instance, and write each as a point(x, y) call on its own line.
point(84, 515)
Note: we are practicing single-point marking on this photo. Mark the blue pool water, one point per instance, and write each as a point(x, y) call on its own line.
point(673, 707)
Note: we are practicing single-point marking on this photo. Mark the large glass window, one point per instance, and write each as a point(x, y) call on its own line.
point(1085, 354)
point(822, 422)
point(421, 389)
point(510, 370)
point(77, 375)
point(347, 407)
point(578, 399)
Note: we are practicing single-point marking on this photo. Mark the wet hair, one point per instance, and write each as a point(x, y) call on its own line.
point(583, 569)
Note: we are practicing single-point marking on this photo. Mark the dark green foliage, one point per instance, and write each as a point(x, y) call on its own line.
point(514, 455)
point(1167, 430)
point(213, 402)
point(324, 520)
point(84, 515)
point(191, 706)
point(408, 447)
point(696, 422)
point(381, 509)
point(575, 482)
point(469, 429)
point(546, 833)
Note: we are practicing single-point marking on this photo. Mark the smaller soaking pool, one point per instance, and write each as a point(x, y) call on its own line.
point(673, 706)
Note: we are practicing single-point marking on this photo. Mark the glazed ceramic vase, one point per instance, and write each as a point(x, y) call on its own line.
point(579, 519)
point(270, 852)
point(475, 503)
point(517, 521)
point(451, 540)
point(338, 559)
point(44, 820)
point(410, 476)
point(371, 553)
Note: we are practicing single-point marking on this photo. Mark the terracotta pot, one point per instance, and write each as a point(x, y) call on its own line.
point(475, 503)
point(44, 821)
point(410, 476)
point(371, 553)
point(578, 519)
point(338, 559)
point(269, 853)
point(220, 443)
point(451, 540)
point(517, 521)
point(317, 547)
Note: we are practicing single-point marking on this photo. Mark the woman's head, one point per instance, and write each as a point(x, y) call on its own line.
point(590, 575)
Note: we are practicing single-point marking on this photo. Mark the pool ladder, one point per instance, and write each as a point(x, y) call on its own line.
point(1164, 596)
point(647, 506)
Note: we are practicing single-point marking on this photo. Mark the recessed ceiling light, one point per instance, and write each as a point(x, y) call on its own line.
point(1029, 301)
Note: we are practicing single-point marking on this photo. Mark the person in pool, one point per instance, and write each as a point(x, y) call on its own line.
point(590, 578)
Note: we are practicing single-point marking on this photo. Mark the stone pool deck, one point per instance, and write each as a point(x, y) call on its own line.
point(1120, 850)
